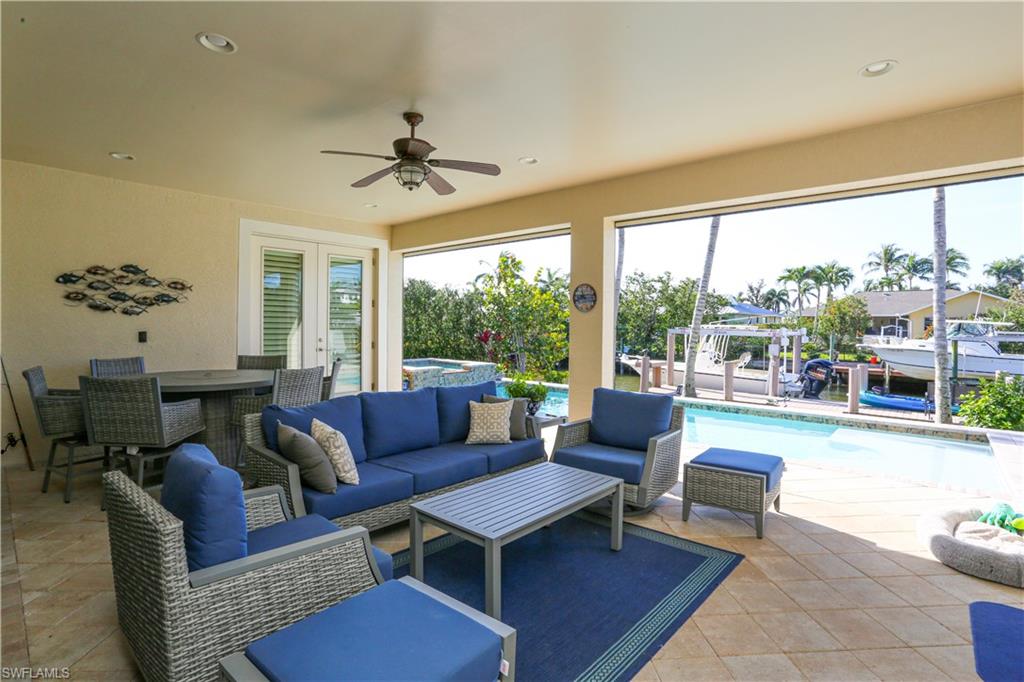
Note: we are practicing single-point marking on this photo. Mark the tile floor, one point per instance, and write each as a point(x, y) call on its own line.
point(839, 589)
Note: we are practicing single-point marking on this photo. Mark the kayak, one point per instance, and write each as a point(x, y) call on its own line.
point(893, 401)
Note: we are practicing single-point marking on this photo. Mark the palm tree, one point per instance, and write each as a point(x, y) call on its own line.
point(776, 299)
point(619, 256)
point(1008, 272)
point(886, 260)
point(957, 262)
point(835, 276)
point(690, 384)
point(754, 295)
point(800, 278)
point(942, 408)
point(916, 267)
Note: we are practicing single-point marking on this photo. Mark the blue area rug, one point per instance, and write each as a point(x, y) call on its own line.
point(997, 631)
point(582, 611)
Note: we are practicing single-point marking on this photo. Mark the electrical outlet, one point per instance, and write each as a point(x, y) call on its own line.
point(143, 337)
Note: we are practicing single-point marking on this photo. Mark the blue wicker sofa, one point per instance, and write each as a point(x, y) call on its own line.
point(408, 445)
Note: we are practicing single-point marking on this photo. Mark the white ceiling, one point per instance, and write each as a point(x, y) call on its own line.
point(592, 90)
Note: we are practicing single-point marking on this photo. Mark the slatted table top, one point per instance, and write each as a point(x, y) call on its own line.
point(502, 506)
point(208, 380)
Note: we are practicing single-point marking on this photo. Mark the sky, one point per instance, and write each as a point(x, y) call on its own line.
point(985, 220)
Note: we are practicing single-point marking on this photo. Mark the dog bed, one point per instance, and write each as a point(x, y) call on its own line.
point(959, 541)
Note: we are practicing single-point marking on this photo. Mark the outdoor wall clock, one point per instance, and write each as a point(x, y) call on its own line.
point(584, 297)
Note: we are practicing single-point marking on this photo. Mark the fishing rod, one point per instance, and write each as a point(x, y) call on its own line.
point(10, 440)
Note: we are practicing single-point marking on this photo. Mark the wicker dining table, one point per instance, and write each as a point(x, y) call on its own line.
point(215, 388)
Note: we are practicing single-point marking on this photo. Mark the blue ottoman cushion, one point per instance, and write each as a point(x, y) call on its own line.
point(604, 459)
point(399, 421)
point(207, 498)
point(391, 632)
point(624, 419)
point(453, 408)
point(740, 460)
point(344, 414)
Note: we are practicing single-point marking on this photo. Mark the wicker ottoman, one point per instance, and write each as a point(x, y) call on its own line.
point(733, 479)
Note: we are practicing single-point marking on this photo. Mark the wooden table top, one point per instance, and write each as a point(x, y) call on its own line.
point(210, 380)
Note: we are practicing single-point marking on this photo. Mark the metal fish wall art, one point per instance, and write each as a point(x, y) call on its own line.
point(128, 289)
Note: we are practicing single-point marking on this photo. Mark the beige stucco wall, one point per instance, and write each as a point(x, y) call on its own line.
point(967, 139)
point(55, 221)
point(962, 307)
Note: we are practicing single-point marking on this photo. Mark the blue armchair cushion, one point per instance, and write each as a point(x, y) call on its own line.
point(377, 485)
point(439, 466)
point(740, 460)
point(399, 421)
point(207, 498)
point(390, 632)
point(604, 459)
point(624, 419)
point(453, 408)
point(344, 414)
point(506, 455)
point(304, 528)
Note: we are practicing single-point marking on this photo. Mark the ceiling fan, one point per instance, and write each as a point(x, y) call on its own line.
point(412, 166)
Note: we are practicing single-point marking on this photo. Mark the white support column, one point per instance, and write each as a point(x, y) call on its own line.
point(670, 362)
point(853, 387)
point(729, 379)
point(645, 374)
point(774, 350)
point(798, 349)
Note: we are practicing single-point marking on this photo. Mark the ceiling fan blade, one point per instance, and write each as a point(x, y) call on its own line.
point(372, 156)
point(372, 178)
point(471, 166)
point(439, 184)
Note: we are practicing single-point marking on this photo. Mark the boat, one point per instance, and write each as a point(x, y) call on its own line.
point(977, 351)
point(893, 401)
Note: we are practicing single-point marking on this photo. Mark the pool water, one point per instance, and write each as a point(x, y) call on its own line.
point(431, 362)
point(938, 461)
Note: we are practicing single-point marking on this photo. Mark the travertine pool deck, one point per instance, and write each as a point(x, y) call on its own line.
point(839, 588)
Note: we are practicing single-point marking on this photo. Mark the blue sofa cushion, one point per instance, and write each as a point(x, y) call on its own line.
point(628, 420)
point(436, 467)
point(453, 408)
point(391, 632)
point(399, 421)
point(604, 459)
point(377, 485)
point(207, 498)
point(741, 460)
point(344, 413)
point(506, 455)
point(304, 528)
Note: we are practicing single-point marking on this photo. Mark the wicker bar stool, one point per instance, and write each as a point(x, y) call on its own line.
point(60, 416)
point(128, 412)
point(262, 362)
point(117, 367)
point(292, 388)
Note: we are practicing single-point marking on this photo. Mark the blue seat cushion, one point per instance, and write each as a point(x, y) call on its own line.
point(207, 498)
point(343, 414)
point(624, 419)
point(453, 408)
point(604, 459)
point(304, 528)
point(506, 455)
point(391, 632)
point(377, 485)
point(439, 466)
point(399, 421)
point(741, 460)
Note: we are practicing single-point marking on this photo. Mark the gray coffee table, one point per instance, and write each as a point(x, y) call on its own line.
point(495, 512)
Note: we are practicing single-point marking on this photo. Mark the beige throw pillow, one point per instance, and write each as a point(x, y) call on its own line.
point(339, 453)
point(489, 422)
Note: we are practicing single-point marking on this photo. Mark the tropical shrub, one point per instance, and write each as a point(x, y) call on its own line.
point(521, 388)
point(998, 404)
point(846, 319)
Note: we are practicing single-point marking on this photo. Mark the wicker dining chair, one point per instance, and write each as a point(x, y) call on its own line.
point(332, 381)
point(128, 412)
point(117, 367)
point(262, 362)
point(60, 416)
point(292, 388)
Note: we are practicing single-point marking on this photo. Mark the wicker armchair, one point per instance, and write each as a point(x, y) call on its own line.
point(60, 416)
point(117, 367)
point(661, 463)
point(178, 623)
point(127, 412)
point(292, 388)
point(262, 362)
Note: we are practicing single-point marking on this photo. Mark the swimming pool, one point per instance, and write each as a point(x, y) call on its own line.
point(938, 461)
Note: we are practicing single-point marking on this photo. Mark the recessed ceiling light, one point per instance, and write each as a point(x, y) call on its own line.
point(527, 160)
point(370, 205)
point(215, 42)
point(122, 156)
point(878, 68)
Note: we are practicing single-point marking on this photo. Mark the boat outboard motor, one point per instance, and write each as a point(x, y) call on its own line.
point(815, 378)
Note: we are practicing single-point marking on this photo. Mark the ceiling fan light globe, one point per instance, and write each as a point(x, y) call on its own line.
point(411, 175)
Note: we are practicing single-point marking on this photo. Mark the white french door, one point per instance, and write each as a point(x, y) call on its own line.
point(315, 305)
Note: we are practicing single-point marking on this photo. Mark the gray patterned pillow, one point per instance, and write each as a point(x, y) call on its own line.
point(517, 422)
point(489, 422)
point(339, 453)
